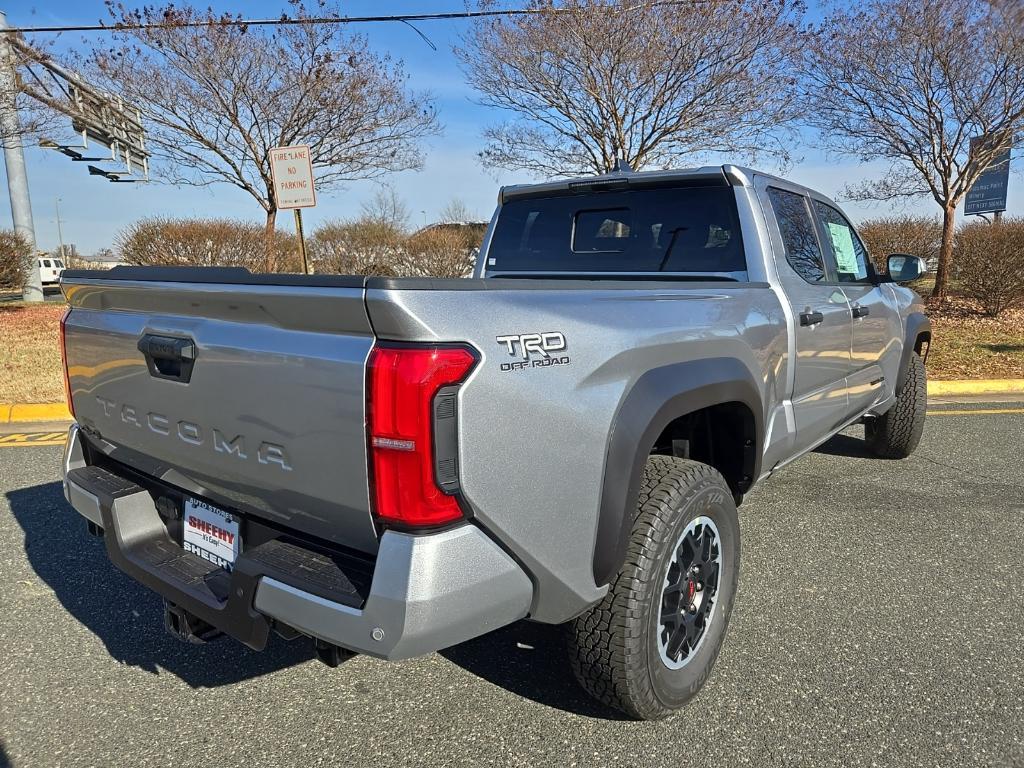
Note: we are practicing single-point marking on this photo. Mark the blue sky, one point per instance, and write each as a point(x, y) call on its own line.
point(94, 210)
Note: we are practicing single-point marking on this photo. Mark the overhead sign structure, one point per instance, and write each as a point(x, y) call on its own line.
point(988, 194)
point(292, 172)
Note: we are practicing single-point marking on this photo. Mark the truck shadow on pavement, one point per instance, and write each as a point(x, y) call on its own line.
point(846, 445)
point(126, 616)
point(529, 660)
point(526, 658)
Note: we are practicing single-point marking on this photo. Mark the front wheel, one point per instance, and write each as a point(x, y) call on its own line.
point(896, 433)
point(650, 644)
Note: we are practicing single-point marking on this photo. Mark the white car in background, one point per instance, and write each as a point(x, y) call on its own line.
point(49, 270)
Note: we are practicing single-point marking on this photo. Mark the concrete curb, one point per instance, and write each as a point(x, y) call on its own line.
point(976, 387)
point(18, 412)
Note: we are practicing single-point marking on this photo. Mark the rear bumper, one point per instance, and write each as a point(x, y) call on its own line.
point(427, 592)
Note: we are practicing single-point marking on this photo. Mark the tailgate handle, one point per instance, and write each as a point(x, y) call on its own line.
point(168, 357)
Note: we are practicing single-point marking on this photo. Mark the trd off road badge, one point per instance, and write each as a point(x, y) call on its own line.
point(536, 350)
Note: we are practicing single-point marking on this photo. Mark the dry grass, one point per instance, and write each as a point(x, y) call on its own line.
point(30, 368)
point(967, 345)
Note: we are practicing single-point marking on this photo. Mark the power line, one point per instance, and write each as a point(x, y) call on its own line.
point(291, 20)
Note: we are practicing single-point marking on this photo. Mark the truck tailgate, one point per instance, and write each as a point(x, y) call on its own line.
point(264, 410)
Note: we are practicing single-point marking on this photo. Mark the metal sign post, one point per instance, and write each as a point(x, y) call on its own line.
point(302, 240)
point(292, 171)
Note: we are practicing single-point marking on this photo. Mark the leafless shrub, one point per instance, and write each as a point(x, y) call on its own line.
point(914, 235)
point(161, 241)
point(15, 259)
point(990, 264)
point(375, 247)
point(441, 251)
point(364, 246)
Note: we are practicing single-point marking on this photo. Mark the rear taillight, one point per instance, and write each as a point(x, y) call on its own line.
point(64, 360)
point(403, 384)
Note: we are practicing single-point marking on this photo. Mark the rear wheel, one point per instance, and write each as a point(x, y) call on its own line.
point(649, 646)
point(896, 433)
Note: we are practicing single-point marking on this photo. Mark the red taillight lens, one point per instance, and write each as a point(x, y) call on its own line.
point(64, 360)
point(402, 385)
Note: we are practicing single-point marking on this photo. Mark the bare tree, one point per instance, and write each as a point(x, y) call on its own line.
point(456, 212)
point(911, 83)
point(590, 81)
point(218, 97)
point(386, 209)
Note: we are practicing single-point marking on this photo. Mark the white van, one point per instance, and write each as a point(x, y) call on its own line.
point(49, 270)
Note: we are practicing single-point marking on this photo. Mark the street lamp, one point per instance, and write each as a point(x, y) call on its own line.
point(60, 232)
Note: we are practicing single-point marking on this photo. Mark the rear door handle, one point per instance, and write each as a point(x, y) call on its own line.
point(861, 311)
point(811, 318)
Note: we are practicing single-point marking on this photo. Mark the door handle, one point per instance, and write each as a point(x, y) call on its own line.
point(811, 318)
point(859, 311)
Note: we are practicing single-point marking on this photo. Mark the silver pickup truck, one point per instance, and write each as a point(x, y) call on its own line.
point(393, 466)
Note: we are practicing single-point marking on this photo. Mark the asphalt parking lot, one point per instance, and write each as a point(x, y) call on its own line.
point(879, 621)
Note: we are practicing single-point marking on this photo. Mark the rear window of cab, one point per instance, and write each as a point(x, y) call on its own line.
point(654, 230)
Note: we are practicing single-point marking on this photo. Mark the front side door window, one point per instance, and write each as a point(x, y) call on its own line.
point(850, 256)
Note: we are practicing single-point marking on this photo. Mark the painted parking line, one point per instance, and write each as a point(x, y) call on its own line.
point(973, 411)
point(32, 439)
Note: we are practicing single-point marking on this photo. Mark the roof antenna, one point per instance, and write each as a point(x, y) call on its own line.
point(621, 166)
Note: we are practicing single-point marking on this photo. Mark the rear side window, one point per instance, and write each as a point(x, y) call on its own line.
point(798, 237)
point(677, 229)
point(46, 263)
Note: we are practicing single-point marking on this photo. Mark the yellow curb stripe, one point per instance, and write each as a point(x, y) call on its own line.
point(14, 412)
point(975, 387)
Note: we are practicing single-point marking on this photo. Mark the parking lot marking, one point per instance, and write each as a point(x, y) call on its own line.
point(974, 411)
point(32, 439)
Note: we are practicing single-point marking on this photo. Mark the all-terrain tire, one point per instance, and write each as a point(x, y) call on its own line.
point(896, 433)
point(614, 648)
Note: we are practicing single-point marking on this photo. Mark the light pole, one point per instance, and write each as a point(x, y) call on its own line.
point(14, 157)
point(60, 232)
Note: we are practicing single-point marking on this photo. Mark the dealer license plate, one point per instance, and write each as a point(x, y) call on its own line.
point(211, 533)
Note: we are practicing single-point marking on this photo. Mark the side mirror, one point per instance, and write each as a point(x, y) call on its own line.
point(904, 268)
